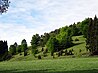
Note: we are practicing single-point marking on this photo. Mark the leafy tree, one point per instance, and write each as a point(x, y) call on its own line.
point(12, 49)
point(15, 44)
point(4, 4)
point(43, 39)
point(35, 43)
point(39, 56)
point(75, 30)
point(52, 45)
point(19, 49)
point(24, 46)
point(65, 38)
point(84, 27)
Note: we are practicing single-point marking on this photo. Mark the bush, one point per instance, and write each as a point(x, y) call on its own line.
point(25, 53)
point(52, 53)
point(66, 52)
point(36, 51)
point(39, 57)
point(44, 54)
point(42, 49)
point(46, 50)
point(70, 52)
point(20, 54)
point(9, 56)
point(62, 52)
point(76, 39)
point(58, 54)
point(80, 50)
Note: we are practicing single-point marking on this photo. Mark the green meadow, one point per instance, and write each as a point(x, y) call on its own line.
point(68, 65)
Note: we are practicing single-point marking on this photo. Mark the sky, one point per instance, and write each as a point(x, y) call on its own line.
point(25, 18)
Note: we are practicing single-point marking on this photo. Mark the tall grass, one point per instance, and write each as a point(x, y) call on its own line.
point(70, 65)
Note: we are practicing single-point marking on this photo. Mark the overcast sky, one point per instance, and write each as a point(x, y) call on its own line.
point(27, 17)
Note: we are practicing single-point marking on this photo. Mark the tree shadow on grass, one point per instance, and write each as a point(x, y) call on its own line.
point(46, 71)
point(78, 43)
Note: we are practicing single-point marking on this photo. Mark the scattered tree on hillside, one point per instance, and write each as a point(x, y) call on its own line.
point(24, 46)
point(15, 44)
point(75, 30)
point(52, 45)
point(3, 50)
point(92, 36)
point(84, 26)
point(35, 43)
point(12, 49)
point(43, 39)
point(19, 49)
point(65, 38)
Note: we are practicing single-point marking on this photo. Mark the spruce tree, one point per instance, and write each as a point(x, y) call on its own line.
point(92, 36)
point(24, 47)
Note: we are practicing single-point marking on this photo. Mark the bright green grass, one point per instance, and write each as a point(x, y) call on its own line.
point(79, 45)
point(70, 65)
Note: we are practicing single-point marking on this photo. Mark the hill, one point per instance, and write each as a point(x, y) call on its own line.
point(79, 45)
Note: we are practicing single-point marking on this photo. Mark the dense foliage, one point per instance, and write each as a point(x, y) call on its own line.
point(35, 43)
point(24, 47)
point(92, 36)
point(3, 50)
point(4, 4)
point(53, 45)
point(12, 49)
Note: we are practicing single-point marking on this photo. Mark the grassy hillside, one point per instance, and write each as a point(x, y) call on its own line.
point(79, 45)
point(69, 65)
point(62, 64)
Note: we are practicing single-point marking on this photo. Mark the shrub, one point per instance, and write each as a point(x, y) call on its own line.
point(44, 54)
point(52, 53)
point(39, 57)
point(8, 57)
point(20, 53)
point(80, 50)
point(70, 52)
point(59, 53)
point(36, 51)
point(66, 52)
point(46, 50)
point(42, 49)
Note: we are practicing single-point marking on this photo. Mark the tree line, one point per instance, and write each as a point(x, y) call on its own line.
point(56, 40)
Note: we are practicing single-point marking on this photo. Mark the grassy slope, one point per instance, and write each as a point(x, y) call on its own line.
point(79, 45)
point(29, 64)
point(76, 48)
point(70, 65)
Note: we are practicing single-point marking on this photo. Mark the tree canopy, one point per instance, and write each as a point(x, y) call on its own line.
point(4, 4)
point(92, 36)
